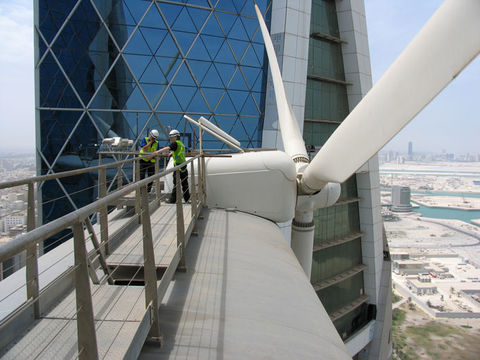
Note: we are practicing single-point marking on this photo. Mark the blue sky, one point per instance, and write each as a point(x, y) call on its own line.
point(451, 122)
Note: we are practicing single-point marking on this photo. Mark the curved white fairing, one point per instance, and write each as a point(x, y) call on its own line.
point(447, 43)
point(259, 183)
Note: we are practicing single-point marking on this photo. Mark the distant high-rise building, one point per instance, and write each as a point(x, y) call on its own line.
point(410, 148)
point(401, 199)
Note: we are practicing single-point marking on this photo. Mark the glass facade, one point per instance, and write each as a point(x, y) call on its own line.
point(337, 228)
point(123, 67)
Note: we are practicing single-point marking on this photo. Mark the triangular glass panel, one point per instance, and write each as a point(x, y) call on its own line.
point(226, 5)
point(239, 4)
point(212, 27)
point(238, 47)
point(251, 74)
point(169, 65)
point(184, 22)
point(153, 92)
point(225, 123)
point(136, 121)
point(138, 45)
point(212, 44)
point(251, 26)
point(138, 63)
point(167, 47)
point(169, 102)
point(213, 96)
point(104, 99)
point(262, 5)
point(137, 9)
point(259, 52)
point(184, 95)
point(198, 17)
point(83, 31)
point(226, 106)
point(250, 58)
point(199, 51)
point(153, 74)
point(184, 77)
point(170, 11)
point(104, 8)
point(198, 105)
point(226, 72)
point(238, 31)
point(250, 108)
point(136, 101)
point(52, 16)
point(120, 82)
point(238, 99)
point(248, 9)
point(239, 132)
point(184, 39)
point(121, 15)
point(154, 37)
point(226, 20)
point(104, 121)
point(199, 68)
point(54, 88)
point(212, 79)
point(238, 82)
point(251, 125)
point(225, 55)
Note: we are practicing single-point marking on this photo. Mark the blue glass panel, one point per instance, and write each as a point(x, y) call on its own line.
point(250, 58)
point(136, 121)
point(239, 47)
point(184, 95)
point(199, 51)
point(136, 101)
point(153, 19)
point(52, 15)
point(153, 74)
point(251, 74)
point(168, 47)
point(170, 11)
point(238, 31)
point(212, 27)
point(212, 44)
point(198, 16)
point(226, 72)
point(250, 108)
point(226, 105)
point(238, 82)
point(199, 68)
point(213, 96)
point(226, 21)
point(185, 40)
point(251, 26)
point(184, 77)
point(136, 9)
point(138, 45)
point(212, 79)
point(138, 63)
point(184, 22)
point(169, 102)
point(199, 2)
point(225, 54)
point(169, 65)
point(198, 104)
point(226, 5)
point(238, 98)
point(153, 37)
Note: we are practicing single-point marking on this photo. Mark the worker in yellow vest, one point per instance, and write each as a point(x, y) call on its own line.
point(177, 150)
point(148, 146)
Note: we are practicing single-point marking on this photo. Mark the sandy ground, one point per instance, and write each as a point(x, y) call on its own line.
point(453, 202)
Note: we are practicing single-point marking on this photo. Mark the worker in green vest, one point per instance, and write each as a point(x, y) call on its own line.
point(148, 146)
point(177, 150)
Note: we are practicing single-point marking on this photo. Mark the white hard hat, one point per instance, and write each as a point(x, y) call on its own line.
point(174, 132)
point(154, 133)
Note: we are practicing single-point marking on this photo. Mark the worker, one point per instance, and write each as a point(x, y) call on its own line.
point(147, 163)
point(178, 155)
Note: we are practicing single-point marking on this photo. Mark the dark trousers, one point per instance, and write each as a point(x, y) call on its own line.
point(184, 181)
point(147, 168)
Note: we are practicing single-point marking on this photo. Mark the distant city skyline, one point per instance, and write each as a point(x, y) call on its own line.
point(450, 122)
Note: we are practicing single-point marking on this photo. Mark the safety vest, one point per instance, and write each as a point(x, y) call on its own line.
point(179, 154)
point(151, 149)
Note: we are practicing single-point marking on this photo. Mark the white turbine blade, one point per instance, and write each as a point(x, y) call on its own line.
point(292, 139)
point(446, 44)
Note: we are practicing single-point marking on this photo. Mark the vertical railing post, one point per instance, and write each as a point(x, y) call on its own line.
point(204, 181)
point(157, 182)
point(102, 192)
point(87, 339)
point(194, 191)
point(119, 173)
point(32, 256)
point(180, 223)
point(137, 192)
point(150, 270)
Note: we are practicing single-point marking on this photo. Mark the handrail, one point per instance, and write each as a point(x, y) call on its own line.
point(24, 241)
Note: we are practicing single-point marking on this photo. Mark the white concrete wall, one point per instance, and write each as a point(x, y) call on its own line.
point(290, 31)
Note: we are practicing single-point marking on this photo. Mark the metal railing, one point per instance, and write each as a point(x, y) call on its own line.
point(78, 220)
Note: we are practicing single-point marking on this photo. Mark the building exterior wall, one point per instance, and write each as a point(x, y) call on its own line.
point(123, 67)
